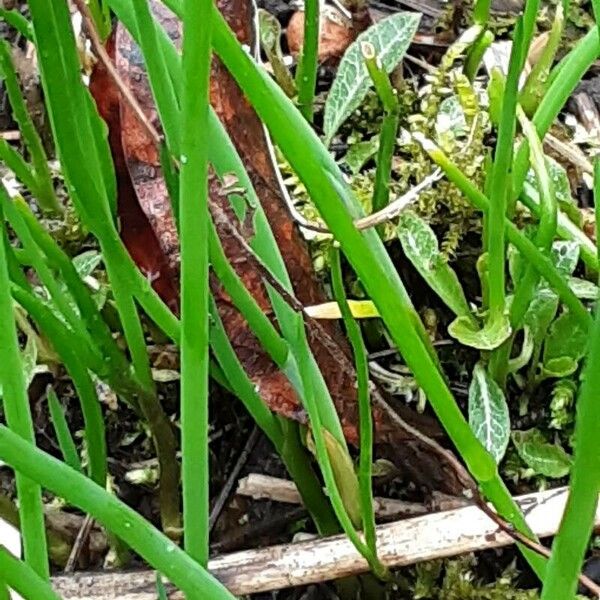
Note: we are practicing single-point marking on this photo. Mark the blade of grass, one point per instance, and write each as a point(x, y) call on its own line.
point(193, 219)
point(572, 69)
point(496, 214)
point(15, 19)
point(162, 87)
point(306, 79)
point(389, 126)
point(161, 553)
point(66, 443)
point(44, 188)
point(323, 456)
point(18, 418)
point(365, 466)
point(283, 433)
point(23, 579)
point(77, 358)
point(18, 165)
point(576, 526)
point(544, 237)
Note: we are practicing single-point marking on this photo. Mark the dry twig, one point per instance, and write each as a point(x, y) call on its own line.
point(406, 542)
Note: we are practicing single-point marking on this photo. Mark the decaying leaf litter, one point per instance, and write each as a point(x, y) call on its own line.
point(440, 103)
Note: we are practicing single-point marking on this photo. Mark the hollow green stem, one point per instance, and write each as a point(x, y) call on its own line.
point(572, 69)
point(381, 80)
point(481, 12)
point(306, 79)
point(44, 188)
point(239, 381)
point(193, 220)
point(66, 443)
point(162, 554)
point(38, 261)
point(18, 165)
point(23, 579)
point(15, 19)
point(496, 213)
point(18, 418)
point(566, 229)
point(597, 200)
point(526, 287)
point(389, 126)
point(161, 84)
point(324, 460)
point(297, 462)
point(577, 522)
point(537, 80)
point(282, 432)
point(77, 358)
point(364, 402)
point(476, 52)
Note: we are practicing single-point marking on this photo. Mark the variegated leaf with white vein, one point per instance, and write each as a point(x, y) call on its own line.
point(391, 38)
point(488, 413)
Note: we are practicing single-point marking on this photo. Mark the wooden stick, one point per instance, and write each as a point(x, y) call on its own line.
point(403, 543)
point(265, 487)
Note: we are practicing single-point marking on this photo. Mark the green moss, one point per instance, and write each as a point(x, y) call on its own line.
point(455, 579)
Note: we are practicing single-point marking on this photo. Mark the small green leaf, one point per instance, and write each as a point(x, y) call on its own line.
point(515, 265)
point(450, 123)
point(270, 40)
point(563, 366)
point(544, 458)
point(86, 262)
point(566, 340)
point(583, 289)
point(488, 338)
point(29, 355)
point(391, 38)
point(421, 247)
point(358, 154)
point(488, 413)
point(565, 255)
point(560, 181)
point(540, 313)
point(517, 363)
point(496, 86)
